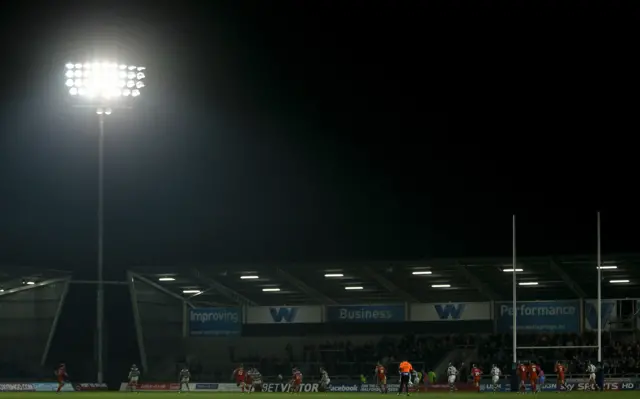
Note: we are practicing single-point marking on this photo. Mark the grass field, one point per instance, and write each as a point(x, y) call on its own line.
point(333, 395)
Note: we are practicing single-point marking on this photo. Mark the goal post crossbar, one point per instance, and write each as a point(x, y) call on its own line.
point(557, 347)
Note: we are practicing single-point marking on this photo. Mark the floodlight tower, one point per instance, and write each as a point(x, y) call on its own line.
point(103, 87)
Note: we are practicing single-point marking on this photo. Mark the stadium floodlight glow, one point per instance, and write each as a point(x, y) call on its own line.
point(103, 80)
point(271, 289)
point(441, 286)
point(354, 287)
point(251, 277)
point(511, 270)
point(329, 275)
point(619, 281)
point(422, 272)
point(100, 86)
point(528, 283)
point(608, 267)
point(166, 279)
point(191, 291)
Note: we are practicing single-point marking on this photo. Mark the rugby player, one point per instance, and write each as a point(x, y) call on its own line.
point(296, 380)
point(540, 378)
point(495, 377)
point(324, 379)
point(476, 374)
point(560, 370)
point(523, 372)
point(61, 375)
point(381, 378)
point(533, 377)
point(254, 379)
point(452, 373)
point(240, 376)
point(184, 377)
point(134, 376)
point(591, 370)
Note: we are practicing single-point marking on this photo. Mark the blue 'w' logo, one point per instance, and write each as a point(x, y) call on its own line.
point(287, 315)
point(450, 311)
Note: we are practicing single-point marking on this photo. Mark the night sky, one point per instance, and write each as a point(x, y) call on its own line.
point(321, 130)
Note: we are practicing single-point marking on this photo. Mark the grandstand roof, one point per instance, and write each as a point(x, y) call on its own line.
point(12, 277)
point(470, 279)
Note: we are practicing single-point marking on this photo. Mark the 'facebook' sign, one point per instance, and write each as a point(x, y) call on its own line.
point(215, 321)
point(557, 316)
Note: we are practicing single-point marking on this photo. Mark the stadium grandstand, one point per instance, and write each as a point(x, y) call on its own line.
point(30, 301)
point(342, 316)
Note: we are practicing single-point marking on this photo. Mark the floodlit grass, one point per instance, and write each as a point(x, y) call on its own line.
point(333, 395)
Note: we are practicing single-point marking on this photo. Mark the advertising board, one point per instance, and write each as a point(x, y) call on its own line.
point(152, 386)
point(450, 311)
point(282, 387)
point(34, 387)
point(194, 386)
point(214, 387)
point(574, 384)
point(90, 386)
point(608, 309)
point(366, 314)
point(543, 316)
point(215, 321)
point(52, 387)
point(391, 387)
point(17, 387)
point(284, 314)
point(460, 386)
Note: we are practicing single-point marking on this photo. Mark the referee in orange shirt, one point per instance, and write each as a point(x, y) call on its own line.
point(405, 370)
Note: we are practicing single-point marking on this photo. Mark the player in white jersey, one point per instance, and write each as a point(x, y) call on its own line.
point(324, 379)
point(134, 375)
point(452, 374)
point(495, 377)
point(591, 370)
point(184, 377)
point(255, 378)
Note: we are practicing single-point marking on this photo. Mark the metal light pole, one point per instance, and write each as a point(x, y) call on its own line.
point(100, 293)
point(105, 86)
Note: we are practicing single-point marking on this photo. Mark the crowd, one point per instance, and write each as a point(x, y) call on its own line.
point(619, 356)
point(343, 357)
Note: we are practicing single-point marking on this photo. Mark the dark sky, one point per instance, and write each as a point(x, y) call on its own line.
point(333, 130)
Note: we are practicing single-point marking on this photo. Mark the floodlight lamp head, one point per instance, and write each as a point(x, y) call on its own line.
point(104, 83)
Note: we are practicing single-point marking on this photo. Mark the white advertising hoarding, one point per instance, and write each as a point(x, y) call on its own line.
point(284, 314)
point(458, 311)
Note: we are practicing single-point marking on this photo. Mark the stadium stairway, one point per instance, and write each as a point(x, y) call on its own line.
point(456, 356)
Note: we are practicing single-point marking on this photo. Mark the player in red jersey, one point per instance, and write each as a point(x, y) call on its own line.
point(522, 373)
point(560, 370)
point(240, 375)
point(476, 373)
point(296, 379)
point(248, 380)
point(533, 377)
point(61, 375)
point(381, 378)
